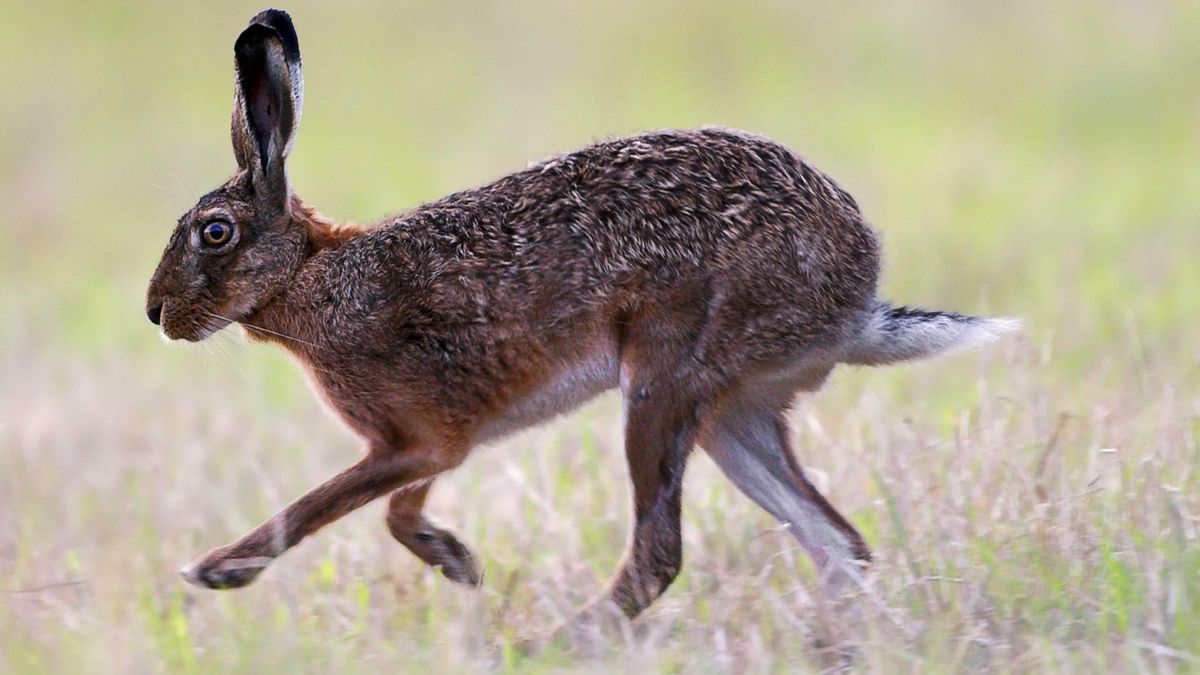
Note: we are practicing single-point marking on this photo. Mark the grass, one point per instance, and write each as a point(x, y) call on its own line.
point(1033, 507)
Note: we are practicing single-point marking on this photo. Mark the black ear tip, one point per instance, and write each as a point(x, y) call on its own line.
point(279, 22)
point(275, 15)
point(275, 18)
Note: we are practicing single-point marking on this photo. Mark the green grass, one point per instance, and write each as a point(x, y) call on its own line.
point(1033, 507)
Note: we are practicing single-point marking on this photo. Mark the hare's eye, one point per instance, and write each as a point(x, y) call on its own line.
point(216, 233)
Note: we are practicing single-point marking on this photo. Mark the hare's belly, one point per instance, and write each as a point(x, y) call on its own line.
point(564, 391)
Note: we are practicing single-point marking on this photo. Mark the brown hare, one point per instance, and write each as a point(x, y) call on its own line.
point(710, 274)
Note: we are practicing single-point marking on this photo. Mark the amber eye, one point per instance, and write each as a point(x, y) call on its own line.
point(217, 233)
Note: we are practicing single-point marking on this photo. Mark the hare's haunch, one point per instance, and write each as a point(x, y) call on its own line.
point(709, 274)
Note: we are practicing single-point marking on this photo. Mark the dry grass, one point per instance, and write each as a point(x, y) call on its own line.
point(1013, 532)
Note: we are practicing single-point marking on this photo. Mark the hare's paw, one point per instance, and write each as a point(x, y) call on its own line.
point(454, 559)
point(222, 568)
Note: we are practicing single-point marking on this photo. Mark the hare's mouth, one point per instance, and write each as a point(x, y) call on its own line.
point(192, 333)
point(189, 326)
point(212, 323)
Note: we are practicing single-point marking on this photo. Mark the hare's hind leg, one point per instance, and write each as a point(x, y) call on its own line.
point(748, 441)
point(666, 394)
point(660, 432)
point(437, 547)
point(659, 436)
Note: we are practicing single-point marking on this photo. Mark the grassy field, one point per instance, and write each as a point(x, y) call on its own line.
point(1033, 507)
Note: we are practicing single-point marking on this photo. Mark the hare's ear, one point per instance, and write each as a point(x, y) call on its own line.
point(267, 100)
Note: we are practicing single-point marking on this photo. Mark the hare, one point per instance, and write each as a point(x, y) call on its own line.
point(711, 275)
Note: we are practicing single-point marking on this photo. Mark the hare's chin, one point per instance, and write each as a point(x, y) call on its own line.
point(197, 334)
point(210, 328)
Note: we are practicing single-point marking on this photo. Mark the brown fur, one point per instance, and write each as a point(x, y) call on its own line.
point(710, 274)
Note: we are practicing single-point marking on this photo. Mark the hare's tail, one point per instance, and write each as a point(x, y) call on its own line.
point(895, 334)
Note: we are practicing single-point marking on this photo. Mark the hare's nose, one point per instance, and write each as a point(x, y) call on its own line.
point(154, 313)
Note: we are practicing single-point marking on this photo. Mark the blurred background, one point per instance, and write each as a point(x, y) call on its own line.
point(1032, 506)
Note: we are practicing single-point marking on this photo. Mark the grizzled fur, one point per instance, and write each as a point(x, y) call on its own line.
point(710, 274)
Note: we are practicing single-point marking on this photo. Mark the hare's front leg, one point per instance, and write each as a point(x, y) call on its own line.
point(380, 472)
point(437, 547)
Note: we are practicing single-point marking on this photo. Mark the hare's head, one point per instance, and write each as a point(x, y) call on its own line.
point(240, 245)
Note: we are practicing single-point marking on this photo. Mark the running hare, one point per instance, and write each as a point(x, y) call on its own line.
point(710, 274)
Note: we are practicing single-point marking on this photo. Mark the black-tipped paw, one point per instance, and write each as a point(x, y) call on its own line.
point(440, 549)
point(221, 569)
point(457, 562)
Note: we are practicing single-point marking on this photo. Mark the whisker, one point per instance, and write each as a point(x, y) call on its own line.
point(179, 194)
point(261, 329)
point(230, 340)
point(310, 366)
point(222, 346)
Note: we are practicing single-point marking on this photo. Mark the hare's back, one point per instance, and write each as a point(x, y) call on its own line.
point(651, 212)
point(634, 220)
point(665, 202)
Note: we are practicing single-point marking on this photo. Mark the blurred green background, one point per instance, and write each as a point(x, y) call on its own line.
point(1035, 159)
